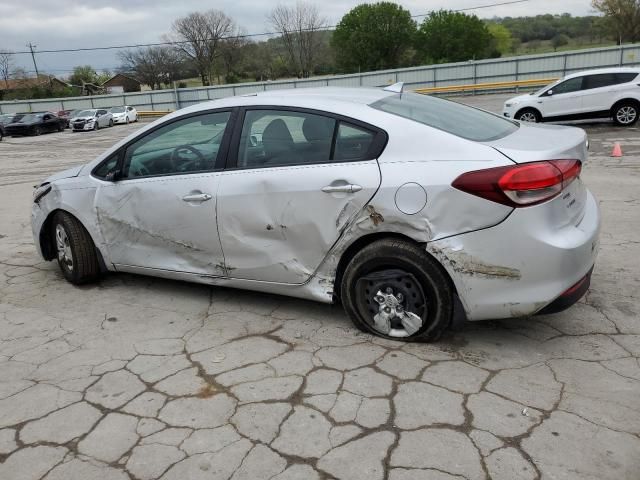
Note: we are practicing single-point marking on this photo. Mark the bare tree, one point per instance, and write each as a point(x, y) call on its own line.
point(623, 17)
point(198, 36)
point(6, 64)
point(232, 51)
point(299, 27)
point(152, 65)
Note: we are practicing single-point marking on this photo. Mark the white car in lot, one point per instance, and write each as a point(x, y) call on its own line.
point(412, 211)
point(124, 114)
point(93, 119)
point(606, 93)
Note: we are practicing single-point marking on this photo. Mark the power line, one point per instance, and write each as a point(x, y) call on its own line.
point(247, 35)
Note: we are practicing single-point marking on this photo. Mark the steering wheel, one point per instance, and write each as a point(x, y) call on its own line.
point(179, 164)
point(140, 171)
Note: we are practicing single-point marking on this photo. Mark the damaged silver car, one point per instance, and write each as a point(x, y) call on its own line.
point(412, 211)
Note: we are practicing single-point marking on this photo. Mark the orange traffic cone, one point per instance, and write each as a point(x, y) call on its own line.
point(617, 151)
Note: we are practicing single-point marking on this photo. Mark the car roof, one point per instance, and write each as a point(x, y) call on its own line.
point(604, 70)
point(333, 99)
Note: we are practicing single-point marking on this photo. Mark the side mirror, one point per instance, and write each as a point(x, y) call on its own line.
point(550, 92)
point(113, 175)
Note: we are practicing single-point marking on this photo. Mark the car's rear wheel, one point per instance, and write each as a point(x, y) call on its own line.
point(394, 289)
point(528, 115)
point(75, 250)
point(625, 114)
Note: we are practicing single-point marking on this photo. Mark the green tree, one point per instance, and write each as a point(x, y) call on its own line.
point(559, 41)
point(502, 40)
point(374, 36)
point(83, 74)
point(624, 17)
point(446, 36)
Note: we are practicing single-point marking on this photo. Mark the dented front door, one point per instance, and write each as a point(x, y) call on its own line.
point(166, 223)
point(277, 224)
point(161, 212)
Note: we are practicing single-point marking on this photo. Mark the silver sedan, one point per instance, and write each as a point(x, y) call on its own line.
point(92, 119)
point(414, 212)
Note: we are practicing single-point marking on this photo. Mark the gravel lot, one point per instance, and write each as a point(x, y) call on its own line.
point(142, 378)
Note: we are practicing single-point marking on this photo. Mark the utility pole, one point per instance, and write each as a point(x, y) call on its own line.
point(33, 56)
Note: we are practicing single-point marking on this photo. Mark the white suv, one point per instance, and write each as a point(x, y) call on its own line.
point(606, 93)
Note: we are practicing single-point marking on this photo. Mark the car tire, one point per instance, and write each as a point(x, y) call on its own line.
point(110, 123)
point(625, 114)
point(96, 126)
point(60, 127)
point(37, 131)
point(127, 120)
point(414, 279)
point(528, 115)
point(75, 250)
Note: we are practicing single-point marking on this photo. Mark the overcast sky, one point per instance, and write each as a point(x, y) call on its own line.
point(84, 23)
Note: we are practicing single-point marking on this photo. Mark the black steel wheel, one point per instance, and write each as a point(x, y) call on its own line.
point(394, 289)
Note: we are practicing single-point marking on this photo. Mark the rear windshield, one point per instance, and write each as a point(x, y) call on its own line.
point(452, 117)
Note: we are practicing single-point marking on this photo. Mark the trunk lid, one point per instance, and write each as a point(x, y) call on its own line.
point(533, 142)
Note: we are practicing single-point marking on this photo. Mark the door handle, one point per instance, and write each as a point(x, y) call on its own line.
point(197, 197)
point(341, 188)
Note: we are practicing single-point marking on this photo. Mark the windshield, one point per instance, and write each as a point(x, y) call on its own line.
point(451, 117)
point(6, 118)
point(87, 113)
point(117, 109)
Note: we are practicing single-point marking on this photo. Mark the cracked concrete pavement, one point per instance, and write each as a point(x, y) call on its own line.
point(140, 378)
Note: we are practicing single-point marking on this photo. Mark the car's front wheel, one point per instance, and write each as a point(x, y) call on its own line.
point(394, 289)
point(625, 114)
point(528, 115)
point(111, 123)
point(96, 125)
point(37, 131)
point(75, 250)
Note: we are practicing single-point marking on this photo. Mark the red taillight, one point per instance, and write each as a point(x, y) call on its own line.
point(520, 185)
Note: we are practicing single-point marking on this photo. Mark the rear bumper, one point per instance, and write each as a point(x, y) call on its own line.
point(523, 265)
point(569, 297)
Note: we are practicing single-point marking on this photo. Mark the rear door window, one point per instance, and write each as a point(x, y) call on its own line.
point(599, 81)
point(274, 138)
point(452, 117)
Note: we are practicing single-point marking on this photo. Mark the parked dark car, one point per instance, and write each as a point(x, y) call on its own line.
point(67, 115)
point(5, 119)
point(34, 124)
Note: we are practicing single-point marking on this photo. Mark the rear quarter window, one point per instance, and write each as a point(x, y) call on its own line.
point(452, 117)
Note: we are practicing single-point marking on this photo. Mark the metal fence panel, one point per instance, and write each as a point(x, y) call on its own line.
point(481, 71)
